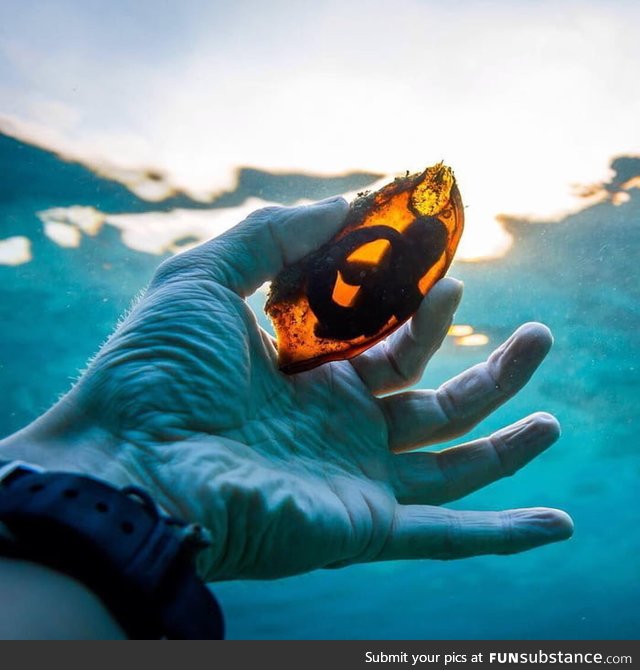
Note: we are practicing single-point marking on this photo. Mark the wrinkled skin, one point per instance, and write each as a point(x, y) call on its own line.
point(292, 473)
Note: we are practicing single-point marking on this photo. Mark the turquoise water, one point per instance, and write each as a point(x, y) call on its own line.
point(578, 275)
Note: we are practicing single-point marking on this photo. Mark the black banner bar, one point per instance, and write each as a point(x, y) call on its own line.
point(327, 655)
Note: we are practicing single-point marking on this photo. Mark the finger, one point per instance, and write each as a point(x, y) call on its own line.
point(421, 531)
point(417, 418)
point(399, 360)
point(434, 478)
point(255, 250)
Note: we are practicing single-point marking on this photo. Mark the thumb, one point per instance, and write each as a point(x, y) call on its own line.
point(254, 251)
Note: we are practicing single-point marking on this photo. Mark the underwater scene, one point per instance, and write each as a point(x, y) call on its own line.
point(129, 134)
point(73, 257)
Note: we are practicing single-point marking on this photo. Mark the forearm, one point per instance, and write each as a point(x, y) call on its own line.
point(37, 602)
point(133, 564)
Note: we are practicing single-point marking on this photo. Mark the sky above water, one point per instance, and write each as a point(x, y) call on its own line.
point(522, 99)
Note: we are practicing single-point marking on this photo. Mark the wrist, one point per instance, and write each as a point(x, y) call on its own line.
point(66, 439)
point(138, 561)
point(63, 439)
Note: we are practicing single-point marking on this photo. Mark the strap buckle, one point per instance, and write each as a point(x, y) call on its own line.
point(7, 470)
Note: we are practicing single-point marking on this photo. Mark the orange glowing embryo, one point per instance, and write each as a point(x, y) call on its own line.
point(355, 290)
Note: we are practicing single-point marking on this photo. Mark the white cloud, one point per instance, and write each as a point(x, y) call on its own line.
point(521, 99)
point(15, 250)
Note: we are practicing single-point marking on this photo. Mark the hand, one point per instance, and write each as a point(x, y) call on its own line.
point(292, 473)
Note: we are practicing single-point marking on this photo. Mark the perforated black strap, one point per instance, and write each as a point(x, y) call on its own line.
point(138, 561)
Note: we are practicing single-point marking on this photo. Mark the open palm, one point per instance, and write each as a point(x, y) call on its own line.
point(292, 473)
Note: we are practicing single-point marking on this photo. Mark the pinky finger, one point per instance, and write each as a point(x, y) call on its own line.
point(421, 531)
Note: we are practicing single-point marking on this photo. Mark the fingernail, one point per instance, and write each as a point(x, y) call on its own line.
point(523, 441)
point(452, 288)
point(330, 201)
point(525, 348)
point(564, 525)
point(460, 287)
point(538, 430)
point(541, 525)
point(555, 524)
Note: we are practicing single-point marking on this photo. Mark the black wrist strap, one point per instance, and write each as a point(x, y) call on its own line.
point(137, 560)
